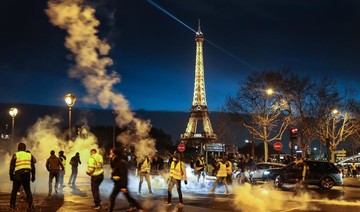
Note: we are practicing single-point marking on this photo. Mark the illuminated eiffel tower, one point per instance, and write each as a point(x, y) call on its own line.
point(199, 110)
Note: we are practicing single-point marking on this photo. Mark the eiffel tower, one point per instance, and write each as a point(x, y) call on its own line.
point(199, 110)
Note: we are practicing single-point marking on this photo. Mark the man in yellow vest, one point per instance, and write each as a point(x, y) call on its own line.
point(200, 168)
point(177, 173)
point(62, 172)
point(144, 171)
point(96, 171)
point(220, 175)
point(22, 167)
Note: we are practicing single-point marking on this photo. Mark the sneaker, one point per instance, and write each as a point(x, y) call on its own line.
point(151, 192)
point(180, 205)
point(211, 191)
point(167, 203)
point(96, 207)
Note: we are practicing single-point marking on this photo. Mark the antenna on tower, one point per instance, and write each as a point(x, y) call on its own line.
point(199, 29)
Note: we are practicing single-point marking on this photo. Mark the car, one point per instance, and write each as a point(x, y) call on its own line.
point(260, 168)
point(322, 173)
point(257, 173)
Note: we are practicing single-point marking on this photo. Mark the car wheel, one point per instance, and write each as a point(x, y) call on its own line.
point(327, 183)
point(278, 181)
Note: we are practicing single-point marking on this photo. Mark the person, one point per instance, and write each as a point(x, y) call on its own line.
point(119, 176)
point(301, 184)
point(62, 172)
point(353, 169)
point(229, 170)
point(96, 171)
point(144, 171)
point(200, 168)
point(177, 173)
point(220, 175)
point(22, 169)
point(53, 165)
point(74, 162)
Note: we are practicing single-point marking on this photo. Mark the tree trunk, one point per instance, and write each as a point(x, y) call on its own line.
point(266, 151)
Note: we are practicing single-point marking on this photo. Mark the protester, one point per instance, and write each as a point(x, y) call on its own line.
point(144, 171)
point(301, 184)
point(199, 168)
point(22, 167)
point(96, 171)
point(220, 175)
point(53, 165)
point(177, 173)
point(62, 172)
point(119, 176)
point(74, 162)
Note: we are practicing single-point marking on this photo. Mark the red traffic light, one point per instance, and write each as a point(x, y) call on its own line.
point(294, 131)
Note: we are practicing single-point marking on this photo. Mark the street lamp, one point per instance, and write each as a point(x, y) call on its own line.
point(13, 112)
point(70, 101)
point(252, 147)
point(269, 91)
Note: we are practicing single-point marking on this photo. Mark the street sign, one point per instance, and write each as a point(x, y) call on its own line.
point(278, 146)
point(181, 147)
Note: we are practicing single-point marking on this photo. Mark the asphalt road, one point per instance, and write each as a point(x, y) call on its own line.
point(196, 198)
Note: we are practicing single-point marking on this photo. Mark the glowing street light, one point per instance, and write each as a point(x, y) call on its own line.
point(13, 112)
point(70, 101)
point(335, 111)
point(269, 91)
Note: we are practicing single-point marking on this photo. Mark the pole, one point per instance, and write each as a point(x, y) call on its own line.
point(69, 123)
point(113, 136)
point(12, 133)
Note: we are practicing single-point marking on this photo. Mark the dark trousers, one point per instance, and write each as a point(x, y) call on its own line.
point(116, 190)
point(21, 180)
point(73, 176)
point(61, 178)
point(53, 174)
point(172, 183)
point(95, 184)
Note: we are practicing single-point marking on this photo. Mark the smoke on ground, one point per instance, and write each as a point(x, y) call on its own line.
point(91, 64)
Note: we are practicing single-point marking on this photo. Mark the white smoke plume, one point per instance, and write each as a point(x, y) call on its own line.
point(91, 59)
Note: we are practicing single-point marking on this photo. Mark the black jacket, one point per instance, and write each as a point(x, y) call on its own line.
point(119, 168)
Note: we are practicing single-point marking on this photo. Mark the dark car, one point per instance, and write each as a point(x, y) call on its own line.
point(321, 173)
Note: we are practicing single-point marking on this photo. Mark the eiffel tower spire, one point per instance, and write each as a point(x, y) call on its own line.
point(199, 110)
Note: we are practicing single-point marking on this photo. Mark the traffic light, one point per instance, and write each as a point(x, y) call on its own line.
point(293, 132)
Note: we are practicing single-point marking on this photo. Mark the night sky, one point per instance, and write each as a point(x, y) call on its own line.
point(155, 54)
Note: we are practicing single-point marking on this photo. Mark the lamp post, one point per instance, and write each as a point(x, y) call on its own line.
point(70, 101)
point(13, 112)
point(252, 147)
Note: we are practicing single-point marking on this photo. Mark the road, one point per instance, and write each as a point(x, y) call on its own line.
point(245, 198)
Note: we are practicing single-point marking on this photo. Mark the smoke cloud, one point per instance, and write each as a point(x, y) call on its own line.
point(92, 61)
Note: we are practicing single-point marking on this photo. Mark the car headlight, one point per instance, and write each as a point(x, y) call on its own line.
point(266, 172)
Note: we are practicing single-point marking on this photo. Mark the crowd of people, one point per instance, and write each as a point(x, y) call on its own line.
point(22, 171)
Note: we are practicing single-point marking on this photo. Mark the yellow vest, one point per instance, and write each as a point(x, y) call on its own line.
point(23, 160)
point(145, 166)
point(222, 170)
point(178, 172)
point(229, 168)
point(201, 163)
point(95, 165)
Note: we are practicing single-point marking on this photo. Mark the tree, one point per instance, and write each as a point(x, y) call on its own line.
point(300, 93)
point(337, 117)
point(260, 112)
